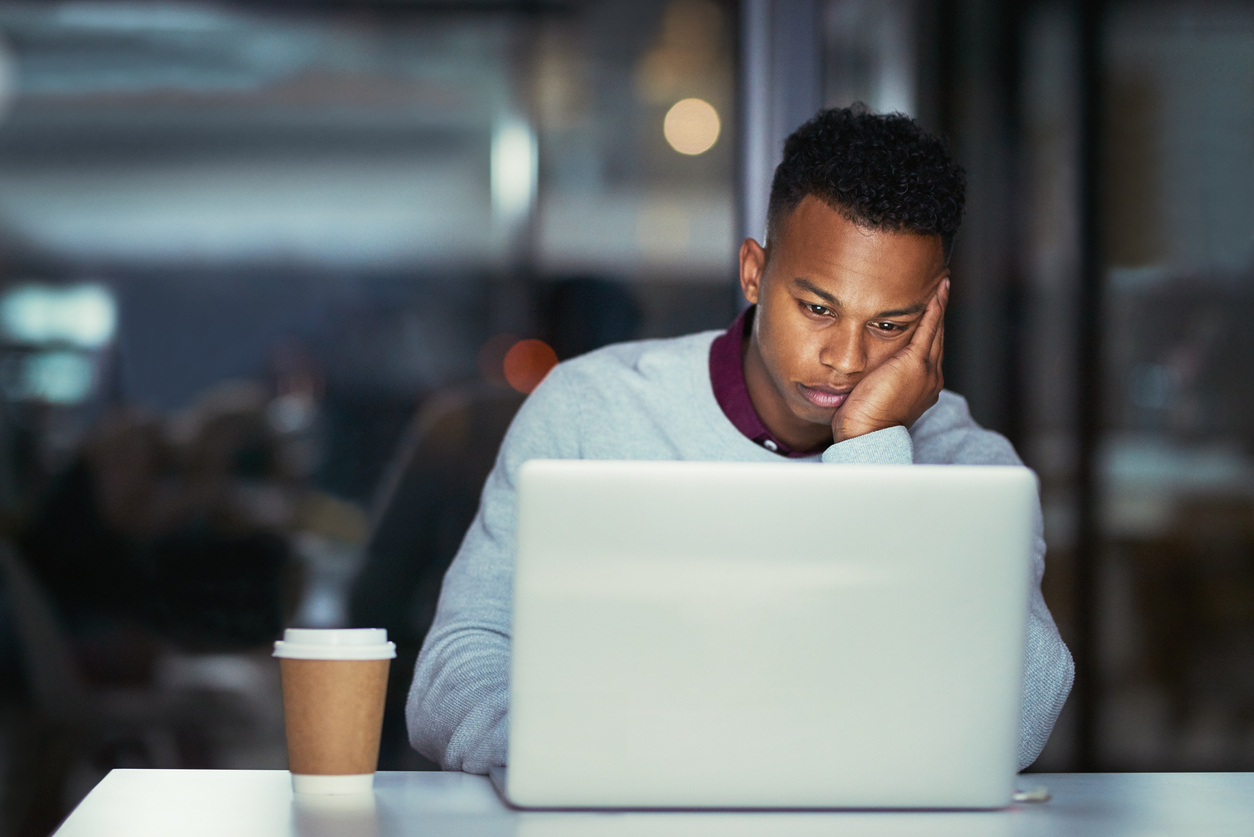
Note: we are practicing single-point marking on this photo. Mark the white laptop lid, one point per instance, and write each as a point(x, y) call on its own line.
point(768, 635)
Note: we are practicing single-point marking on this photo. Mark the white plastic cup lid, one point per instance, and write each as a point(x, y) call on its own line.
point(335, 644)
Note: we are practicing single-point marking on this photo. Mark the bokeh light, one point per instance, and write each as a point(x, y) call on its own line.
point(81, 315)
point(691, 126)
point(527, 362)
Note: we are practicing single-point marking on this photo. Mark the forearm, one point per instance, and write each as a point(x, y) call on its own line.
point(460, 696)
point(1047, 677)
point(1048, 670)
point(458, 705)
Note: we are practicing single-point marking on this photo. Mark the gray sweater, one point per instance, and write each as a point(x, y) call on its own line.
point(653, 400)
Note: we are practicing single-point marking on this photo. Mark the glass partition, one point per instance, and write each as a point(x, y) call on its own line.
point(273, 280)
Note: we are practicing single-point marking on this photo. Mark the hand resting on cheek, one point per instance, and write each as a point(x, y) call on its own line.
point(902, 388)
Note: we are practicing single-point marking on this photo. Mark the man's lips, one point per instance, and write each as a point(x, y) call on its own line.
point(829, 398)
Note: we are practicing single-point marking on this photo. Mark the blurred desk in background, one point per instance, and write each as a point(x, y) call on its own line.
point(1150, 482)
point(260, 803)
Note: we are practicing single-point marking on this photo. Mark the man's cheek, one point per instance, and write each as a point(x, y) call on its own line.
point(881, 353)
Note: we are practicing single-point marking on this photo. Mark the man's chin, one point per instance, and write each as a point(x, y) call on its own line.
point(812, 414)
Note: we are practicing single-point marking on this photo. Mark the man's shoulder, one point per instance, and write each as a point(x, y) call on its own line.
point(643, 399)
point(948, 434)
point(656, 358)
point(950, 410)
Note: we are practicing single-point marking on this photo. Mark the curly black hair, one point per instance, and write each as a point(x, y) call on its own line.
point(882, 171)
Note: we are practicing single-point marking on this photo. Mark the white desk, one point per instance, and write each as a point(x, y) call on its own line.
point(259, 803)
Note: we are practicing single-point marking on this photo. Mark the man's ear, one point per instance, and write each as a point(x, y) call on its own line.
point(752, 268)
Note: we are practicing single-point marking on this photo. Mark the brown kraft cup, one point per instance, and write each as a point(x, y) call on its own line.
point(334, 684)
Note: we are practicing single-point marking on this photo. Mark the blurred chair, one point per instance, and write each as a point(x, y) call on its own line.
point(50, 672)
point(71, 722)
point(184, 540)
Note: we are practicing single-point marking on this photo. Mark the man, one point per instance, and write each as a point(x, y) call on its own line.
point(838, 361)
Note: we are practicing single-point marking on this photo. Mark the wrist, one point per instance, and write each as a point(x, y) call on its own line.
point(844, 432)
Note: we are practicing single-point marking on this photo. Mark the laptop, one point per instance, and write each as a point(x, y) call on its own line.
point(754, 635)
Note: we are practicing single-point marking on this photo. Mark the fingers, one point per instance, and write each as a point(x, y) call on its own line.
point(922, 342)
point(936, 350)
point(938, 374)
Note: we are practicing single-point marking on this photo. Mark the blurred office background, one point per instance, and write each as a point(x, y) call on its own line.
point(274, 277)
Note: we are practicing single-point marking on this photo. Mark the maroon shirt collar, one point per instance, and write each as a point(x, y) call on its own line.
point(727, 376)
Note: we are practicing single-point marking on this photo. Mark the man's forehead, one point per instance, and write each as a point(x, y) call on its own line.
point(814, 216)
point(819, 244)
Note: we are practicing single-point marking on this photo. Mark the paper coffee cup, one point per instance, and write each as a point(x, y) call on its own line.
point(334, 684)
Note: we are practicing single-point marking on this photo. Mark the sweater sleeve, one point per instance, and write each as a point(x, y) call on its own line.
point(947, 434)
point(457, 711)
point(890, 446)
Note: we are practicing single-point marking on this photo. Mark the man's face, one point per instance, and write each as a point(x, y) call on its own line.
point(835, 300)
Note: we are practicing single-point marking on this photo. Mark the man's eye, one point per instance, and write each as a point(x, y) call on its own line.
point(817, 310)
point(891, 327)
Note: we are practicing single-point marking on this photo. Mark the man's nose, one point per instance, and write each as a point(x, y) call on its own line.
point(845, 349)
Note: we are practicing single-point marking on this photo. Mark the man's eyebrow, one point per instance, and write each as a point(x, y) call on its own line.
point(909, 310)
point(806, 284)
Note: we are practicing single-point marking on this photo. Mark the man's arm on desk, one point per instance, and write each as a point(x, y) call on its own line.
point(458, 706)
